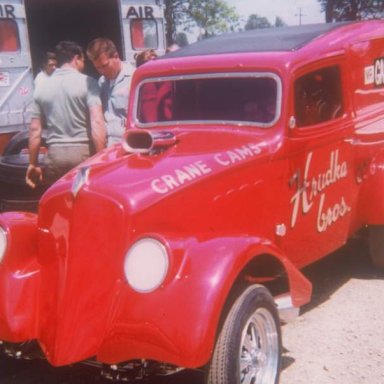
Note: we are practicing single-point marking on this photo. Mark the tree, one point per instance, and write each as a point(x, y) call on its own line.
point(212, 17)
point(174, 14)
point(344, 10)
point(279, 22)
point(181, 39)
point(256, 22)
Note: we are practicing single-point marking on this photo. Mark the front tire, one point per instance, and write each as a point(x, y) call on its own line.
point(376, 245)
point(248, 349)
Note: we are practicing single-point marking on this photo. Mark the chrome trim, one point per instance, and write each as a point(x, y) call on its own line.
point(143, 141)
point(81, 179)
point(287, 311)
point(281, 230)
point(4, 243)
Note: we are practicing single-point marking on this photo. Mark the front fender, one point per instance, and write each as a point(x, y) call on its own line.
point(178, 322)
point(19, 278)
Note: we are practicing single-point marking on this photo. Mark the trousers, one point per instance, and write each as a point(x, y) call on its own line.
point(61, 158)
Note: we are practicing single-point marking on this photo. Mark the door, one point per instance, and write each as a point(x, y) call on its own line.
point(321, 185)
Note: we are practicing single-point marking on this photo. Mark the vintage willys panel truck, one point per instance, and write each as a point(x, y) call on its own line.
point(247, 157)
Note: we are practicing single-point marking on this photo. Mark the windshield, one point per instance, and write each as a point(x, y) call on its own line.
point(251, 98)
point(9, 37)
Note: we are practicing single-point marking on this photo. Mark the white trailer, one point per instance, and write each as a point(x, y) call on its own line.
point(30, 28)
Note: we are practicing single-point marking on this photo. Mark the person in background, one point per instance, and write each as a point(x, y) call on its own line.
point(156, 100)
point(48, 67)
point(115, 82)
point(172, 48)
point(145, 56)
point(69, 102)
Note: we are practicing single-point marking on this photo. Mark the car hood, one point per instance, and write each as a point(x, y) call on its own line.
point(138, 178)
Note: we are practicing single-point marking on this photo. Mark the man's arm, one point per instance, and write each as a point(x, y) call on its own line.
point(34, 172)
point(98, 130)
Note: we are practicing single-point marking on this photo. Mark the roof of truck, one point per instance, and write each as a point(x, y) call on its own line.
point(258, 40)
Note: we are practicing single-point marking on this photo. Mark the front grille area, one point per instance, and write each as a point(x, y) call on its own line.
point(80, 267)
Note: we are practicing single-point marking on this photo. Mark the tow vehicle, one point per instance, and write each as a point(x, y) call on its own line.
point(247, 157)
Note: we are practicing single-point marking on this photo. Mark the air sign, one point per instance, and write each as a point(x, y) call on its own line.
point(141, 12)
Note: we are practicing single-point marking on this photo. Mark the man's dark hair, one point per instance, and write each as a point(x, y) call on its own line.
point(99, 46)
point(66, 51)
point(49, 56)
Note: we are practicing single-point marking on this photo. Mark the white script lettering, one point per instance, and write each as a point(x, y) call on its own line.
point(311, 187)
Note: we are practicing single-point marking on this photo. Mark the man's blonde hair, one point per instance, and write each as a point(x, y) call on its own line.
point(99, 46)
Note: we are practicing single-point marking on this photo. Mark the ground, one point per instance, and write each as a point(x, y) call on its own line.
point(338, 339)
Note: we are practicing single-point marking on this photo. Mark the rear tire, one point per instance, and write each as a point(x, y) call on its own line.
point(248, 349)
point(376, 245)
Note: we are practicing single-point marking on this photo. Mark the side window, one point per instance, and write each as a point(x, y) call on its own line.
point(144, 34)
point(318, 97)
point(9, 36)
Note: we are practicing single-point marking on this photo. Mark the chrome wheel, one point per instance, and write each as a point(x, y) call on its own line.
point(259, 349)
point(248, 348)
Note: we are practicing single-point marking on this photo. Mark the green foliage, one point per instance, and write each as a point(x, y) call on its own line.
point(212, 17)
point(174, 16)
point(256, 22)
point(343, 10)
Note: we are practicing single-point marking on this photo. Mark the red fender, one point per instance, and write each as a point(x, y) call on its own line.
point(19, 278)
point(178, 322)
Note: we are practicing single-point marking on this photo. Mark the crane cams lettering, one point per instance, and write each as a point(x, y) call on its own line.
point(189, 172)
point(312, 191)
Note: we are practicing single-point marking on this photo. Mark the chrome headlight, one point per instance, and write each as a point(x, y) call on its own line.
point(146, 265)
point(3, 243)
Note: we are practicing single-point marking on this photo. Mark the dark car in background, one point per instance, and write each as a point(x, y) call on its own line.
point(15, 194)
